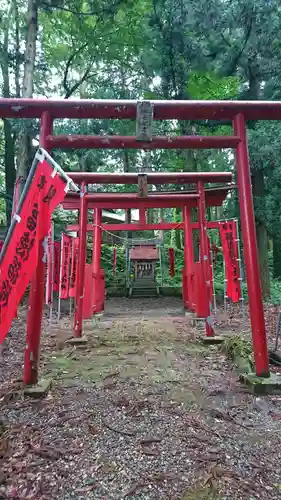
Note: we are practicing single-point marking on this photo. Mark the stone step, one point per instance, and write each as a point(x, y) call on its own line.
point(144, 292)
point(143, 284)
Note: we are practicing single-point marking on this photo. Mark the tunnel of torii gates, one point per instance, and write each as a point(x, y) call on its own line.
point(196, 279)
point(237, 112)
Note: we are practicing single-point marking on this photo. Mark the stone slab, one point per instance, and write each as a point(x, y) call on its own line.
point(39, 390)
point(262, 385)
point(217, 339)
point(189, 314)
point(77, 341)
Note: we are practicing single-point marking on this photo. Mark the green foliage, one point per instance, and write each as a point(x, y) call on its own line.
point(210, 86)
point(125, 49)
point(275, 291)
point(107, 264)
point(240, 351)
point(237, 346)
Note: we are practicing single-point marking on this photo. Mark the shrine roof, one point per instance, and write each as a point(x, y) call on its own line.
point(144, 253)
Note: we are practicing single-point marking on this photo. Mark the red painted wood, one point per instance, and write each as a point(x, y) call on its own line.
point(251, 251)
point(152, 177)
point(127, 142)
point(79, 297)
point(36, 294)
point(163, 110)
point(88, 292)
point(164, 226)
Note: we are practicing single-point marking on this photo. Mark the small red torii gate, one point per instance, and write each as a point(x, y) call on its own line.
point(236, 111)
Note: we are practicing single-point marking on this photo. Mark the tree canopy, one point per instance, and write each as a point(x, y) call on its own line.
point(151, 49)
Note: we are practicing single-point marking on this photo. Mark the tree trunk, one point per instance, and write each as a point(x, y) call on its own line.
point(9, 154)
point(10, 172)
point(17, 48)
point(261, 229)
point(27, 89)
point(276, 240)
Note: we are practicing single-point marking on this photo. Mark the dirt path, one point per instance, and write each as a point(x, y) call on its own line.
point(143, 411)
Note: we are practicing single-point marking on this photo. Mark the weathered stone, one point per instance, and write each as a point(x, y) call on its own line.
point(262, 385)
point(217, 339)
point(77, 341)
point(242, 364)
point(39, 390)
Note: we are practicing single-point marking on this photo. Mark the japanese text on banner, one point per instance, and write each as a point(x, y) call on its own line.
point(65, 264)
point(50, 267)
point(19, 262)
point(74, 264)
point(57, 250)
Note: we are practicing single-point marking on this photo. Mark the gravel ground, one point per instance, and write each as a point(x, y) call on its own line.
point(143, 411)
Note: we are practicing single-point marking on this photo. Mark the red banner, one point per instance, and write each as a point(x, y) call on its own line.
point(65, 266)
point(228, 234)
point(209, 257)
point(1, 245)
point(33, 222)
point(114, 260)
point(57, 250)
point(172, 262)
point(74, 263)
point(210, 274)
point(49, 265)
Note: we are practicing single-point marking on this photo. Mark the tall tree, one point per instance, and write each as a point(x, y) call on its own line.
point(9, 145)
point(24, 153)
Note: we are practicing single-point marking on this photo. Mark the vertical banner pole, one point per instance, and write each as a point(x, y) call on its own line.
point(224, 274)
point(224, 287)
point(250, 249)
point(97, 299)
point(52, 272)
point(204, 251)
point(60, 282)
point(36, 294)
point(79, 297)
point(240, 271)
point(213, 282)
point(188, 254)
point(35, 311)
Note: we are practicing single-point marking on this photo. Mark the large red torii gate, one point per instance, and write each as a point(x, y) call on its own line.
point(236, 111)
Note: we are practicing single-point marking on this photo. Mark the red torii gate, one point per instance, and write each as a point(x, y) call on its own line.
point(192, 282)
point(186, 201)
point(236, 111)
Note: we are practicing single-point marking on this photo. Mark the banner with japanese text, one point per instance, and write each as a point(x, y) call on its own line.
point(74, 264)
point(18, 263)
point(228, 234)
point(65, 266)
point(50, 267)
point(210, 274)
point(57, 252)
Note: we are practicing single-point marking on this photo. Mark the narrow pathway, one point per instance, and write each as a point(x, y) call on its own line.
point(144, 411)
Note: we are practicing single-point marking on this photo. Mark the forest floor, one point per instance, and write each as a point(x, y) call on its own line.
point(143, 411)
